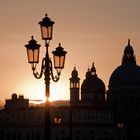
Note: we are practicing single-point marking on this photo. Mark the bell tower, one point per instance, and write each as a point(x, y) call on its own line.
point(74, 87)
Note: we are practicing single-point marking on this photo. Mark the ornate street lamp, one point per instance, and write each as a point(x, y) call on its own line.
point(46, 26)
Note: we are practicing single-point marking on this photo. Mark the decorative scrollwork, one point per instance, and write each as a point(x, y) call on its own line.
point(35, 73)
point(43, 67)
point(57, 77)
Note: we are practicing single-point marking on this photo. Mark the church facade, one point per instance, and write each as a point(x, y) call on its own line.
point(123, 96)
point(90, 116)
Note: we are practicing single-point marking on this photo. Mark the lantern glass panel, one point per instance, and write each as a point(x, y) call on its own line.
point(46, 32)
point(59, 62)
point(62, 61)
point(33, 55)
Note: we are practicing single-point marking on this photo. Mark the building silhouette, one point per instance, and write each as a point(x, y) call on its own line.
point(90, 116)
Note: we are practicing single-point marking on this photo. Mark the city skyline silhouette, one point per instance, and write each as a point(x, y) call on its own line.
point(89, 114)
point(98, 94)
point(96, 34)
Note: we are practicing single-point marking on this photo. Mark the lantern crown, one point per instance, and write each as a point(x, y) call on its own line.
point(59, 51)
point(46, 21)
point(32, 43)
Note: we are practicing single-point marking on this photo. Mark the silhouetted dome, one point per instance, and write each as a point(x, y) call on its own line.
point(92, 84)
point(74, 75)
point(127, 74)
point(74, 72)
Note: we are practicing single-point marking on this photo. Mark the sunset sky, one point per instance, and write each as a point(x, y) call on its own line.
point(89, 30)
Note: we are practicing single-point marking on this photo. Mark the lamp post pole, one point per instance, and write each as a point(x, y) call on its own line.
point(46, 68)
point(70, 116)
point(47, 94)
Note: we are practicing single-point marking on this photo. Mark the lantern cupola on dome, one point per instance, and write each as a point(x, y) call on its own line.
point(128, 56)
point(128, 73)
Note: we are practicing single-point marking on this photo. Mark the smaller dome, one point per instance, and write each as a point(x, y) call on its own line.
point(92, 84)
point(74, 72)
point(74, 76)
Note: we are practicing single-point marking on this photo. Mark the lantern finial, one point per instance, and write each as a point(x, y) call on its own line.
point(46, 15)
point(32, 37)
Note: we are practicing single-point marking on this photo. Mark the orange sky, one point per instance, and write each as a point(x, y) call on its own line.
point(92, 30)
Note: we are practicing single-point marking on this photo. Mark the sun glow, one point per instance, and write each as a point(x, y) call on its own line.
point(35, 91)
point(58, 91)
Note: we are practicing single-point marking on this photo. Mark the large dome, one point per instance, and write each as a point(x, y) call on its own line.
point(128, 73)
point(125, 76)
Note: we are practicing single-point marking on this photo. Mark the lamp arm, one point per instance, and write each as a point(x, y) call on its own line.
point(35, 73)
point(57, 77)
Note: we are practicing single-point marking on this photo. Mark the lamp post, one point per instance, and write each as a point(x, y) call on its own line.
point(46, 26)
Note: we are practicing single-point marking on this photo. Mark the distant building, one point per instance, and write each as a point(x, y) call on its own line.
point(90, 115)
point(16, 103)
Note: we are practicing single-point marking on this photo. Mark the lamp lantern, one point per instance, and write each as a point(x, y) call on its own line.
point(32, 51)
point(59, 57)
point(46, 26)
